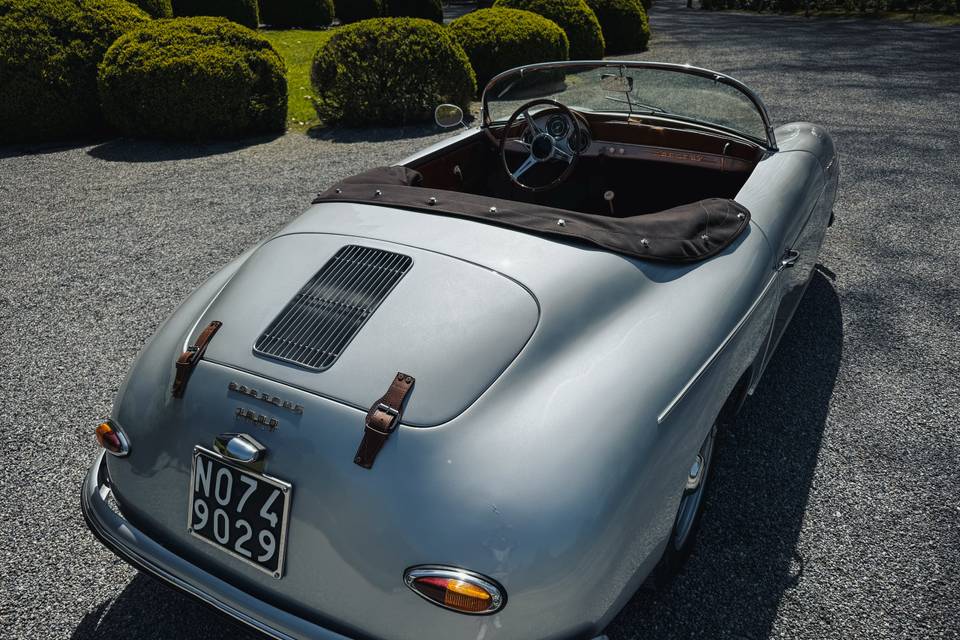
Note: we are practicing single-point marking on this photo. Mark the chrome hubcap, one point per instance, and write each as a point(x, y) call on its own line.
point(696, 474)
point(693, 493)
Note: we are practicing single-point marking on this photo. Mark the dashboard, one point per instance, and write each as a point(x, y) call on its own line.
point(595, 135)
point(560, 127)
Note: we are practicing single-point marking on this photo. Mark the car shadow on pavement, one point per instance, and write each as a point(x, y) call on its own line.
point(134, 150)
point(147, 609)
point(746, 556)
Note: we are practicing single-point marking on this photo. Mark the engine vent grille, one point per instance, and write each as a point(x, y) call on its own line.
point(321, 320)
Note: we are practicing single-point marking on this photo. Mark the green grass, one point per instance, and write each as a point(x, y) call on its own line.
point(297, 47)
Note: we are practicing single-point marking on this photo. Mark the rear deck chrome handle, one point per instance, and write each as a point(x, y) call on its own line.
point(239, 447)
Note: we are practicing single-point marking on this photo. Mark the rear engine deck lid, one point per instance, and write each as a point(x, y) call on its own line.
point(453, 325)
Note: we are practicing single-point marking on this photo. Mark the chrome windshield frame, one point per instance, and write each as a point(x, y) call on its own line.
point(770, 143)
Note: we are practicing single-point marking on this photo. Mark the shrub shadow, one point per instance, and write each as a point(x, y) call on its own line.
point(347, 135)
point(135, 150)
point(385, 134)
point(746, 556)
point(41, 148)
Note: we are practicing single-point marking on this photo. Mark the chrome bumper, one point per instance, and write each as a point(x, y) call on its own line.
point(132, 546)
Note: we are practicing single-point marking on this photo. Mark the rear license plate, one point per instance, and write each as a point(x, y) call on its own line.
point(239, 511)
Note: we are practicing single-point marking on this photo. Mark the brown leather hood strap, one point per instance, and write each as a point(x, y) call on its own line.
point(383, 418)
point(188, 359)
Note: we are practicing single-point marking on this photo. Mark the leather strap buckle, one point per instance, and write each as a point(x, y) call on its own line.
point(382, 419)
point(189, 358)
point(390, 411)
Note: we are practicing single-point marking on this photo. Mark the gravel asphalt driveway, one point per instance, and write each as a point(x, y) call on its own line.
point(836, 502)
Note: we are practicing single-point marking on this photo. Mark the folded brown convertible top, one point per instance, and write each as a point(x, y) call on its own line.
point(687, 233)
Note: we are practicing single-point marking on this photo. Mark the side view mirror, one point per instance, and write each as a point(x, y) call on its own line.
point(448, 115)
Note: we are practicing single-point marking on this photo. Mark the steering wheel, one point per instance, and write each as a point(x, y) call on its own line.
point(543, 146)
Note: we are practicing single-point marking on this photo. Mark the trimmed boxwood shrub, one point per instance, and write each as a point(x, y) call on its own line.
point(296, 13)
point(499, 39)
point(156, 8)
point(427, 9)
point(574, 17)
point(245, 12)
point(49, 52)
point(389, 71)
point(624, 24)
point(193, 78)
point(354, 10)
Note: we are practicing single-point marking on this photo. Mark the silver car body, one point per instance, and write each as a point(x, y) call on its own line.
point(562, 392)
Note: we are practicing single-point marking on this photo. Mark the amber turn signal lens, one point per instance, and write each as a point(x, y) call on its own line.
point(111, 438)
point(456, 589)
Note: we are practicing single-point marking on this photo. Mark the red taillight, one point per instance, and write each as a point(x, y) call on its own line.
point(456, 589)
point(111, 438)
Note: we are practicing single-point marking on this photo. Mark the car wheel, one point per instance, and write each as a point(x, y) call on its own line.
point(685, 525)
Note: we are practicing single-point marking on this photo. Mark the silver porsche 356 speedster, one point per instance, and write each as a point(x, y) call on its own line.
point(475, 394)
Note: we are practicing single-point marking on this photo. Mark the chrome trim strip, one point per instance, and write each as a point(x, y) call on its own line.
point(706, 365)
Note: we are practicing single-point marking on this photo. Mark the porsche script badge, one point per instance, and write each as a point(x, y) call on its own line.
point(266, 397)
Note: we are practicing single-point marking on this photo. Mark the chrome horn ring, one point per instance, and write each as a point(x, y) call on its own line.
point(543, 147)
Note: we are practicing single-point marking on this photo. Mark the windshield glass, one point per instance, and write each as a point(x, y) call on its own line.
point(617, 87)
